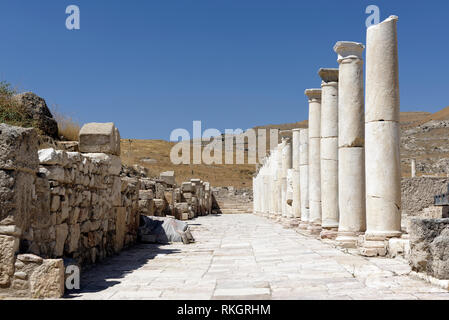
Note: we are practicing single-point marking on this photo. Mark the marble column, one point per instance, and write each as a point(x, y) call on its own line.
point(382, 131)
point(329, 152)
point(413, 168)
point(279, 179)
point(273, 181)
point(296, 205)
point(304, 176)
point(351, 164)
point(314, 96)
point(286, 164)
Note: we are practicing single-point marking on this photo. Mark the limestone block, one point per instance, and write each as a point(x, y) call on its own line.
point(351, 166)
point(62, 232)
point(47, 279)
point(120, 228)
point(18, 148)
point(99, 138)
point(53, 157)
point(168, 177)
point(73, 239)
point(382, 72)
point(18, 195)
point(8, 247)
point(55, 173)
point(146, 194)
point(329, 149)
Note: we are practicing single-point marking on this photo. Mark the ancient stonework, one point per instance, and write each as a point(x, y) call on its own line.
point(429, 247)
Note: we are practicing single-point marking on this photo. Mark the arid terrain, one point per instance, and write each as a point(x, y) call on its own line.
point(424, 138)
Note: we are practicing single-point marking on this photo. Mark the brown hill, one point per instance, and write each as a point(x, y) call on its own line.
point(426, 144)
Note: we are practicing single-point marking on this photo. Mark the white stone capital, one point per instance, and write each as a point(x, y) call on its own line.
point(349, 50)
point(328, 75)
point(313, 94)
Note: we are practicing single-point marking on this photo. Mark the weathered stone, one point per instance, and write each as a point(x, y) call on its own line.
point(53, 157)
point(35, 109)
point(17, 191)
point(74, 237)
point(62, 232)
point(8, 248)
point(168, 177)
point(120, 228)
point(146, 194)
point(47, 280)
point(186, 187)
point(99, 138)
point(30, 258)
point(18, 148)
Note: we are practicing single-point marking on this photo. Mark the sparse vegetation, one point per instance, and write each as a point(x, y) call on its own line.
point(10, 111)
point(68, 128)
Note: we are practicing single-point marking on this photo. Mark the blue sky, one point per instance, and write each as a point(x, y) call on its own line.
point(153, 66)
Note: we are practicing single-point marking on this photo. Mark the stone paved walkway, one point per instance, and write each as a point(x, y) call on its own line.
point(250, 257)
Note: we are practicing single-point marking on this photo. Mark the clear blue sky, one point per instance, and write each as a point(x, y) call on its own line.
point(153, 66)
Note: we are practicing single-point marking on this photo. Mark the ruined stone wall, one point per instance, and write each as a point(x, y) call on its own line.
point(59, 207)
point(56, 204)
point(418, 193)
point(86, 211)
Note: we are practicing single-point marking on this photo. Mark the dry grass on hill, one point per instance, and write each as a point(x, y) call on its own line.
point(157, 155)
point(68, 129)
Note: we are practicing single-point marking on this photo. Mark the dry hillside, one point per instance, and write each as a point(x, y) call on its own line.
point(424, 137)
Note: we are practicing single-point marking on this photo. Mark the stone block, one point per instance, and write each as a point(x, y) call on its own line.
point(120, 228)
point(146, 194)
point(53, 157)
point(18, 148)
point(186, 187)
point(168, 177)
point(17, 191)
point(99, 138)
point(8, 247)
point(62, 232)
point(429, 240)
point(47, 279)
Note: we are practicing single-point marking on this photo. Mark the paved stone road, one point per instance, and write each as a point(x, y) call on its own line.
point(250, 257)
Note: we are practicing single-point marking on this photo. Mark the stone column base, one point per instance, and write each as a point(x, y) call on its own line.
point(314, 229)
point(329, 233)
point(303, 225)
point(348, 240)
point(375, 244)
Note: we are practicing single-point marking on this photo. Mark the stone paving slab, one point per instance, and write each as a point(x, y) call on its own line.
point(250, 257)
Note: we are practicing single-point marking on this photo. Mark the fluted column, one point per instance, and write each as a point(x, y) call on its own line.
point(329, 152)
point(351, 165)
point(296, 205)
point(314, 96)
point(383, 165)
point(304, 176)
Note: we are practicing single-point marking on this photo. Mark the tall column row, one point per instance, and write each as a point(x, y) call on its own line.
point(341, 176)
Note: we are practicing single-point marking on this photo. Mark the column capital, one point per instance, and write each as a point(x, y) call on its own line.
point(328, 74)
point(313, 94)
point(349, 50)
